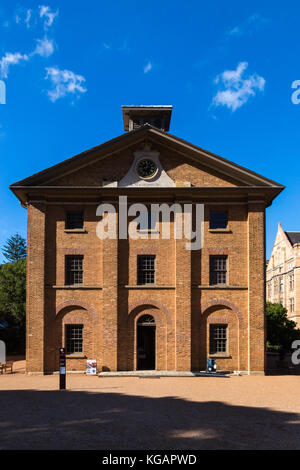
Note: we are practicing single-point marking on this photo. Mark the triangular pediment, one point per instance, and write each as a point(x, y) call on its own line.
point(182, 162)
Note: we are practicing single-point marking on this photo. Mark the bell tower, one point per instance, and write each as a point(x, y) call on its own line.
point(155, 115)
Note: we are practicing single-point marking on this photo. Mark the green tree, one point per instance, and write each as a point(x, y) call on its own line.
point(15, 248)
point(280, 330)
point(13, 294)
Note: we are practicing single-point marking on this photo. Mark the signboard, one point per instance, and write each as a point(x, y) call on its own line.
point(2, 352)
point(91, 367)
point(62, 369)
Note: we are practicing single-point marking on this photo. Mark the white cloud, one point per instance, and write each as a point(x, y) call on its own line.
point(113, 48)
point(252, 23)
point(237, 89)
point(24, 16)
point(10, 59)
point(48, 15)
point(27, 18)
point(64, 82)
point(237, 31)
point(44, 48)
point(148, 67)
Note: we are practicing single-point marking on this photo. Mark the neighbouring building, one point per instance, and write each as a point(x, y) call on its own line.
point(283, 273)
point(146, 303)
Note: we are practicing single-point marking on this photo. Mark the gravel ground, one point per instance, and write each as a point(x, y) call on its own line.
point(248, 412)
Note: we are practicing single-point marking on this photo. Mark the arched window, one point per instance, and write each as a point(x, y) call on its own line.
point(145, 320)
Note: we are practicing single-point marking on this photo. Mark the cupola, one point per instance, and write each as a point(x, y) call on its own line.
point(155, 115)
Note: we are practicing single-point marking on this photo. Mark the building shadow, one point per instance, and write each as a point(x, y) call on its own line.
point(108, 419)
point(277, 365)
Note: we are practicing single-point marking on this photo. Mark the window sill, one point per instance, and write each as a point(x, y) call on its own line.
point(221, 286)
point(148, 286)
point(219, 230)
point(75, 230)
point(220, 356)
point(76, 286)
point(76, 356)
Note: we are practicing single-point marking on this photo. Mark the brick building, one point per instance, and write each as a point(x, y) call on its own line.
point(283, 273)
point(146, 303)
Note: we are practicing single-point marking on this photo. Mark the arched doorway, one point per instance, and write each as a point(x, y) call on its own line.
point(146, 330)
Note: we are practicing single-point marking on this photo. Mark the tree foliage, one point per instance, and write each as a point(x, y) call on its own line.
point(15, 248)
point(280, 330)
point(13, 293)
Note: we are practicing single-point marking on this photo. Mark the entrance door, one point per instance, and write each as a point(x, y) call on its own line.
point(146, 343)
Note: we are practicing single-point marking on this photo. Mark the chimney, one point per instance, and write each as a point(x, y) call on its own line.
point(137, 116)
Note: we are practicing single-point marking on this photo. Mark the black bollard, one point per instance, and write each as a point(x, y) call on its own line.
point(62, 369)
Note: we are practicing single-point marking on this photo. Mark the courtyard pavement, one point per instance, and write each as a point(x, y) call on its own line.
point(247, 412)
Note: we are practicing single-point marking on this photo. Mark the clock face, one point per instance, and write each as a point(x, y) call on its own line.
point(146, 168)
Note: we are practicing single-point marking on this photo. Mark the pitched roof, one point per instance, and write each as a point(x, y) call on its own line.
point(294, 237)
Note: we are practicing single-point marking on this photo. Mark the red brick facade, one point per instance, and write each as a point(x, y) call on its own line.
point(182, 302)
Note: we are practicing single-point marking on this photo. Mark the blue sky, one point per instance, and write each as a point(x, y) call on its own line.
point(226, 67)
